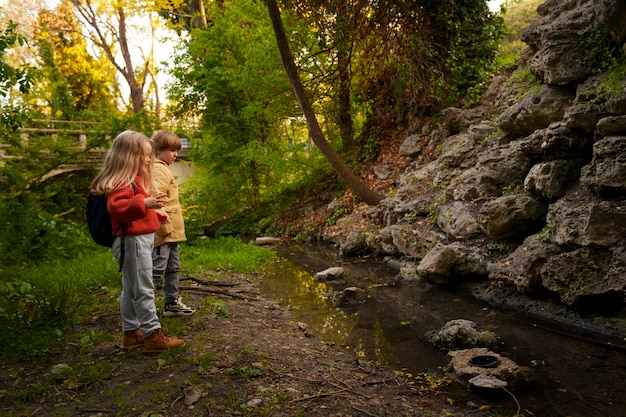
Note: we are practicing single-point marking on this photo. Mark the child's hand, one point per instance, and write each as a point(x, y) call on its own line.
point(155, 202)
point(164, 217)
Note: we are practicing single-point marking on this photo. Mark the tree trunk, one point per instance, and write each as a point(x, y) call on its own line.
point(345, 115)
point(90, 17)
point(366, 194)
point(344, 51)
point(198, 16)
point(136, 90)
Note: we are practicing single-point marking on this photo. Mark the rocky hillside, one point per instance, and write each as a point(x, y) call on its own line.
point(525, 194)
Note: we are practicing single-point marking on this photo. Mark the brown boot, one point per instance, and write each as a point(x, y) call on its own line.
point(159, 342)
point(133, 339)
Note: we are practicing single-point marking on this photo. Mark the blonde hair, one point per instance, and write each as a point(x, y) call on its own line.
point(164, 139)
point(124, 160)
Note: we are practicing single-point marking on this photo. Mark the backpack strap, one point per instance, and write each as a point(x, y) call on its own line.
point(122, 237)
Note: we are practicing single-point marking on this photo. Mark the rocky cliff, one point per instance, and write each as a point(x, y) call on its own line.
point(526, 193)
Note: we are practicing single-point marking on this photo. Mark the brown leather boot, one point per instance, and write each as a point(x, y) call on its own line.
point(133, 339)
point(159, 342)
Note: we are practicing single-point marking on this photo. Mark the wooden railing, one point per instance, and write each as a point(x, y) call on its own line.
point(81, 129)
point(58, 126)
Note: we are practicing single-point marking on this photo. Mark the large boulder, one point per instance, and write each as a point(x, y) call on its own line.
point(457, 221)
point(589, 279)
point(550, 180)
point(523, 267)
point(536, 111)
point(512, 216)
point(462, 334)
point(557, 39)
point(606, 174)
point(449, 263)
point(582, 219)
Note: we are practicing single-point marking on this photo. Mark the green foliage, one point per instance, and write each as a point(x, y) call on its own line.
point(332, 219)
point(522, 83)
point(544, 234)
point(29, 235)
point(518, 15)
point(214, 307)
point(470, 60)
point(610, 86)
point(251, 144)
point(601, 54)
point(28, 305)
point(11, 78)
point(38, 301)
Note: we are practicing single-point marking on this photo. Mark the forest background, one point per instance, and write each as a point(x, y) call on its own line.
point(372, 72)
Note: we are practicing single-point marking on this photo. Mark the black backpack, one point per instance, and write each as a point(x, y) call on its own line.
point(99, 222)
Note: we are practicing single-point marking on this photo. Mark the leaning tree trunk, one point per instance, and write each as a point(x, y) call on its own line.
point(354, 183)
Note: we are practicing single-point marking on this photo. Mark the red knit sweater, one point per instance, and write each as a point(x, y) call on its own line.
point(127, 206)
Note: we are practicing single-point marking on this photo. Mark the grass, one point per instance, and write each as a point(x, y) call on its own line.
point(38, 303)
point(225, 253)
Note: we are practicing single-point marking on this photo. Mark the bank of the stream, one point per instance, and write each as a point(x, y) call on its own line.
point(246, 355)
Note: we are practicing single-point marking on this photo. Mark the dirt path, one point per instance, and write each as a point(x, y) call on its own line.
point(255, 361)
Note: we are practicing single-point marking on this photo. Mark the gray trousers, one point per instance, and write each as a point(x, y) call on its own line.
point(137, 301)
point(166, 264)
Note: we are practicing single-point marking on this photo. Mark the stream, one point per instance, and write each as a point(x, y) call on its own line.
point(575, 376)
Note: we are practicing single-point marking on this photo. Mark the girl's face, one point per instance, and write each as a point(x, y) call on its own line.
point(146, 157)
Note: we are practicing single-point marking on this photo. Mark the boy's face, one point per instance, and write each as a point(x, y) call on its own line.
point(168, 156)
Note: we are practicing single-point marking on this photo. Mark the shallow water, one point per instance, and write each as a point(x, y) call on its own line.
point(576, 377)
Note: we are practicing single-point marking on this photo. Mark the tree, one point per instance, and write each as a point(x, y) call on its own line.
point(354, 183)
point(229, 76)
point(334, 22)
point(75, 85)
point(184, 16)
point(109, 29)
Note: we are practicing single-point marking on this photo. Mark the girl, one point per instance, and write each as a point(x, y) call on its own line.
point(126, 180)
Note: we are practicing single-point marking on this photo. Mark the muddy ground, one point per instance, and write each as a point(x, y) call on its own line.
point(253, 361)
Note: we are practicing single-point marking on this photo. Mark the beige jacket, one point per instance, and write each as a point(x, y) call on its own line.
point(174, 229)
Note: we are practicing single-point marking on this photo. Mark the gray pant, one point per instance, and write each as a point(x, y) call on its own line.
point(137, 300)
point(166, 264)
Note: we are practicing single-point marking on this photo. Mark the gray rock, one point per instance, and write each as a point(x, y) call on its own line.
point(523, 266)
point(505, 374)
point(551, 180)
point(350, 297)
point(587, 276)
point(582, 219)
point(412, 146)
point(606, 174)
point(330, 274)
point(462, 334)
point(457, 221)
point(512, 215)
point(536, 111)
point(354, 244)
point(557, 53)
point(446, 263)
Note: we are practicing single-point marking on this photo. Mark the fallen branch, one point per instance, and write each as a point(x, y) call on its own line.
point(360, 410)
point(206, 290)
point(208, 283)
point(320, 395)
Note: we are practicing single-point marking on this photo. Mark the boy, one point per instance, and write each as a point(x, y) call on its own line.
point(165, 257)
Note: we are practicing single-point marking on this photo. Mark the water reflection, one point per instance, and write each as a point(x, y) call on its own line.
point(309, 300)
